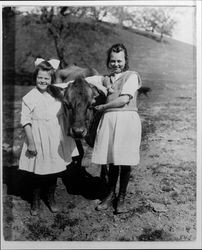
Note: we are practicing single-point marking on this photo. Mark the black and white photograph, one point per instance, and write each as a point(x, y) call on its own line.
point(101, 125)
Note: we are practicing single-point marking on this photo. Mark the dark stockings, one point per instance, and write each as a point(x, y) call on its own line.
point(113, 177)
point(43, 185)
point(124, 180)
point(113, 174)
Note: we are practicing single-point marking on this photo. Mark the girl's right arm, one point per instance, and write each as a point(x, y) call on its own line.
point(31, 148)
point(26, 122)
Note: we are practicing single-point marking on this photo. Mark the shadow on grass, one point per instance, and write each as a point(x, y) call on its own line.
point(18, 182)
point(76, 180)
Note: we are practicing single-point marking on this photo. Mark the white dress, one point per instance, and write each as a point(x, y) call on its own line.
point(119, 133)
point(54, 148)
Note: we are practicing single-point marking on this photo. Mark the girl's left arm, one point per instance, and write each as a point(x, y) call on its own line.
point(117, 103)
point(128, 91)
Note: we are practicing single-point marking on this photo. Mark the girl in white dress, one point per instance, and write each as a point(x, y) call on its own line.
point(47, 149)
point(118, 135)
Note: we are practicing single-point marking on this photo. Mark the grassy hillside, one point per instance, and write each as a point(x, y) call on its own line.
point(88, 44)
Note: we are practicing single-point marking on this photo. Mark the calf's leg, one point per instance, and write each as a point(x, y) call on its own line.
point(78, 159)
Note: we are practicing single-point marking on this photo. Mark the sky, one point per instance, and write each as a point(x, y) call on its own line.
point(185, 29)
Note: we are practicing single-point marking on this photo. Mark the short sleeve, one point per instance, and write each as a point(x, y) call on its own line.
point(25, 114)
point(131, 85)
point(97, 81)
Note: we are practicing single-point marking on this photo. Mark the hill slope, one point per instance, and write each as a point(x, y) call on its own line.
point(87, 45)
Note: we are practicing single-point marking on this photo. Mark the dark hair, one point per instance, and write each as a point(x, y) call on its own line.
point(45, 66)
point(117, 48)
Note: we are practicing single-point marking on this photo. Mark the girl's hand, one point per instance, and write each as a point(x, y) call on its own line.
point(31, 150)
point(100, 108)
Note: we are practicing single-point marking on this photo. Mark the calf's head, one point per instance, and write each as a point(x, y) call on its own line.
point(79, 99)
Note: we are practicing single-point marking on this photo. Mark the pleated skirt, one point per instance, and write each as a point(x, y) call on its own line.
point(118, 139)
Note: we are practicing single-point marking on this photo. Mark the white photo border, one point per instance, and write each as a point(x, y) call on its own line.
point(125, 245)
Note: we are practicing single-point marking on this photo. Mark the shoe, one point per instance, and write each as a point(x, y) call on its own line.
point(53, 207)
point(34, 211)
point(107, 202)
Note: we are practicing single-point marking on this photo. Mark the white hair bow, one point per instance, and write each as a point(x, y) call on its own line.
point(53, 62)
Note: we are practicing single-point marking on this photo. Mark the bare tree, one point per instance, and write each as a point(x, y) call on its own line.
point(160, 20)
point(54, 20)
point(97, 13)
point(165, 21)
point(60, 22)
point(121, 14)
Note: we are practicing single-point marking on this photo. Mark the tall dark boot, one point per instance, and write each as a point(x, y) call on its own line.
point(108, 200)
point(35, 205)
point(51, 199)
point(124, 179)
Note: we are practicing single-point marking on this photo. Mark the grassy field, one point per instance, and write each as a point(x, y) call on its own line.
point(162, 191)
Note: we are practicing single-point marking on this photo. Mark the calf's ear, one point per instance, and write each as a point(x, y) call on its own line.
point(56, 92)
point(98, 97)
point(95, 94)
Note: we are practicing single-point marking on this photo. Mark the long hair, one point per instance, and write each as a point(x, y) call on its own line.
point(117, 48)
point(45, 66)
